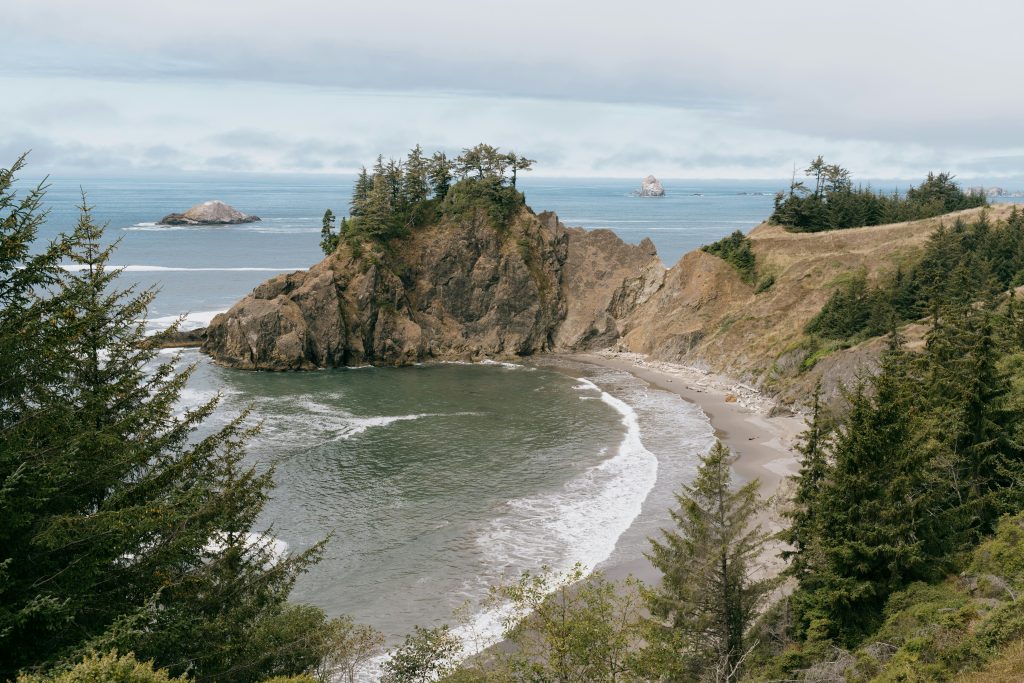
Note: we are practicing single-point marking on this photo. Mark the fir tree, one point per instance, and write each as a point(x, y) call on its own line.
point(881, 522)
point(328, 238)
point(122, 528)
point(707, 597)
point(440, 172)
point(415, 182)
point(360, 193)
point(815, 469)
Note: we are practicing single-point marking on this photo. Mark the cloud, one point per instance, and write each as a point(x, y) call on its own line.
point(585, 87)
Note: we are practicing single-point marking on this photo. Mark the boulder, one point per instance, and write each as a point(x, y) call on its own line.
point(651, 187)
point(213, 212)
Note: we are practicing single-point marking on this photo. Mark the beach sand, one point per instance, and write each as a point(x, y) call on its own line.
point(761, 445)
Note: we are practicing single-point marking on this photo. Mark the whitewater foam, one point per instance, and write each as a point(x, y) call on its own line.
point(191, 321)
point(581, 523)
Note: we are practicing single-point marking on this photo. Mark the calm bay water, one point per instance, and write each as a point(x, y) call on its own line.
point(435, 481)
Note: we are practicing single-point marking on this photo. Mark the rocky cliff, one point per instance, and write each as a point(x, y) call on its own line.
point(459, 289)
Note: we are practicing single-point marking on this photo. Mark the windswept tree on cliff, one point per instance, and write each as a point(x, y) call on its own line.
point(396, 197)
point(708, 594)
point(518, 163)
point(328, 238)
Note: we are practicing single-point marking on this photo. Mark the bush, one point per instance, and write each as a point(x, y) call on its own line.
point(476, 198)
point(735, 250)
point(765, 284)
point(107, 668)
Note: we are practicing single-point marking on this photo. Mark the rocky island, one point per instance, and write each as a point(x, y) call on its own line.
point(214, 212)
point(651, 187)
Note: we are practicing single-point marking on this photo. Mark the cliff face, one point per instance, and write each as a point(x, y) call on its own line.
point(457, 290)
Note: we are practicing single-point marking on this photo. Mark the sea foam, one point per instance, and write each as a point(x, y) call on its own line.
point(578, 524)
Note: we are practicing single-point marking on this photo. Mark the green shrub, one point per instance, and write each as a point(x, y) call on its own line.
point(107, 668)
point(476, 198)
point(735, 250)
point(765, 284)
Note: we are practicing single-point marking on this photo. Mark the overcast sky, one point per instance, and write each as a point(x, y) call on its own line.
point(723, 89)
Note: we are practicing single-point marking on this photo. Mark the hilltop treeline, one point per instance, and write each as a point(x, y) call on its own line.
point(832, 202)
point(960, 264)
point(397, 196)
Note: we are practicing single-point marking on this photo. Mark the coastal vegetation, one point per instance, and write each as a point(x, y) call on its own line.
point(735, 250)
point(398, 196)
point(127, 521)
point(831, 202)
point(960, 264)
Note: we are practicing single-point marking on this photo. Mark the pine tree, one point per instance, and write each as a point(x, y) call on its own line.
point(360, 193)
point(122, 528)
point(328, 238)
point(804, 531)
point(882, 521)
point(440, 175)
point(707, 597)
point(415, 181)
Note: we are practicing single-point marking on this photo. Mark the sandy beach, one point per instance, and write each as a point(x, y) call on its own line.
point(761, 445)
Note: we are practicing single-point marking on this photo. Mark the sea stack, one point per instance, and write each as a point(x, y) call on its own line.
point(651, 187)
point(214, 212)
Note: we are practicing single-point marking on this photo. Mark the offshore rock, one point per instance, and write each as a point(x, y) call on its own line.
point(651, 187)
point(462, 289)
point(213, 212)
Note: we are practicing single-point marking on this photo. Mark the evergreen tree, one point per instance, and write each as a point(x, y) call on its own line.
point(518, 163)
point(360, 193)
point(440, 172)
point(882, 524)
point(328, 238)
point(815, 469)
point(122, 528)
point(707, 597)
point(377, 218)
point(416, 183)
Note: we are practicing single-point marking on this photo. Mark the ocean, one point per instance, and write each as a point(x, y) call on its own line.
point(435, 481)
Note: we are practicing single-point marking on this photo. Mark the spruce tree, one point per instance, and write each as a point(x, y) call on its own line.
point(123, 528)
point(803, 532)
point(415, 181)
point(708, 594)
point(882, 522)
point(328, 238)
point(360, 193)
point(440, 174)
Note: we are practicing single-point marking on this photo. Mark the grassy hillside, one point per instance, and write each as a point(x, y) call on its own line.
point(710, 315)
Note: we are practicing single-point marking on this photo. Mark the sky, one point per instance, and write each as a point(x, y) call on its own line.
point(726, 89)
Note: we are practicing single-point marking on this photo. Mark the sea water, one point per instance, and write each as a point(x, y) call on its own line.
point(438, 481)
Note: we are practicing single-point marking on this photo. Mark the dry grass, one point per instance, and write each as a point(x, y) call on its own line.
point(1009, 668)
point(706, 315)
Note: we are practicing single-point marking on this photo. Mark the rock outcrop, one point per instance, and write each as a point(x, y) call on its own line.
point(214, 212)
point(461, 289)
point(651, 187)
